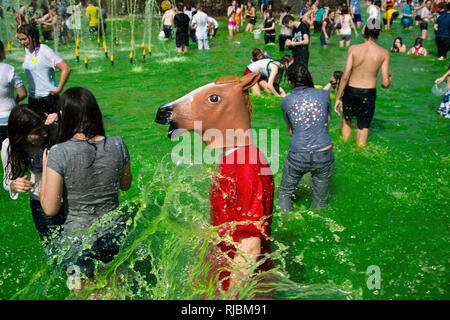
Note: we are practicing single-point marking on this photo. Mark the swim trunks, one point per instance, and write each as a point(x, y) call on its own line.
point(359, 103)
point(181, 39)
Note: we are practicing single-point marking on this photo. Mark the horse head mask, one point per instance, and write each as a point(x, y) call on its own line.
point(220, 112)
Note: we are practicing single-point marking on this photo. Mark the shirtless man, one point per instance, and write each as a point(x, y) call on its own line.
point(359, 81)
point(166, 23)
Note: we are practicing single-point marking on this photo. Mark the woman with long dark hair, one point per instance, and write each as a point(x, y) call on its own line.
point(90, 168)
point(39, 66)
point(22, 158)
point(398, 46)
point(418, 48)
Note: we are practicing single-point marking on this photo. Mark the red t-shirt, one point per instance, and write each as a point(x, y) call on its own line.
point(242, 192)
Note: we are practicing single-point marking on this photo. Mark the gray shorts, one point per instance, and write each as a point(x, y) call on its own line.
point(345, 37)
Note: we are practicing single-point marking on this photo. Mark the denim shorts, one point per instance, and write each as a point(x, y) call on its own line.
point(321, 166)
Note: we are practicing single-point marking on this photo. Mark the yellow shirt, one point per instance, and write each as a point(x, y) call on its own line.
point(93, 15)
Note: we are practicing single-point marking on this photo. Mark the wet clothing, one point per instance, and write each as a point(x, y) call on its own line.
point(261, 66)
point(306, 110)
point(47, 227)
point(318, 21)
point(93, 13)
point(443, 34)
point(9, 80)
point(300, 53)
point(359, 103)
point(356, 10)
point(92, 172)
point(444, 108)
point(297, 164)
point(285, 33)
point(407, 21)
point(242, 191)
point(269, 35)
point(181, 22)
point(329, 27)
point(39, 67)
point(200, 20)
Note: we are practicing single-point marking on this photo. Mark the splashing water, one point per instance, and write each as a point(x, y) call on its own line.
point(165, 255)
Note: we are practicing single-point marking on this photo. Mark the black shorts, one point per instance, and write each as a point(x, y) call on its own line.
point(359, 103)
point(252, 21)
point(423, 25)
point(182, 40)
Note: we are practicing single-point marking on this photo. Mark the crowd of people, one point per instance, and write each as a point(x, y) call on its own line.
point(55, 147)
point(59, 20)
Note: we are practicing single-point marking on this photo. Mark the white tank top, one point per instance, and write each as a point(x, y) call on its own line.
point(261, 66)
point(345, 22)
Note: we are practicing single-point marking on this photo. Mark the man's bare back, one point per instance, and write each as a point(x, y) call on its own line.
point(367, 59)
point(168, 16)
point(359, 81)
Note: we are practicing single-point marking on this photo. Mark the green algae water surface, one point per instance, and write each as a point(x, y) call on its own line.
point(387, 211)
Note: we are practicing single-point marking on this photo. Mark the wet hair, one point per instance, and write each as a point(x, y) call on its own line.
point(22, 121)
point(269, 12)
point(337, 75)
point(419, 41)
point(2, 51)
point(31, 32)
point(287, 9)
point(180, 7)
point(287, 18)
point(255, 53)
point(299, 76)
point(80, 114)
point(344, 8)
point(372, 29)
point(394, 48)
point(286, 59)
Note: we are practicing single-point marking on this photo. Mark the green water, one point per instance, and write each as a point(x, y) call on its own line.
point(387, 207)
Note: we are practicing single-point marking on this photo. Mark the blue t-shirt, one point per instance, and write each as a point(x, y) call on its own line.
point(407, 9)
point(443, 22)
point(306, 110)
point(319, 14)
point(357, 5)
